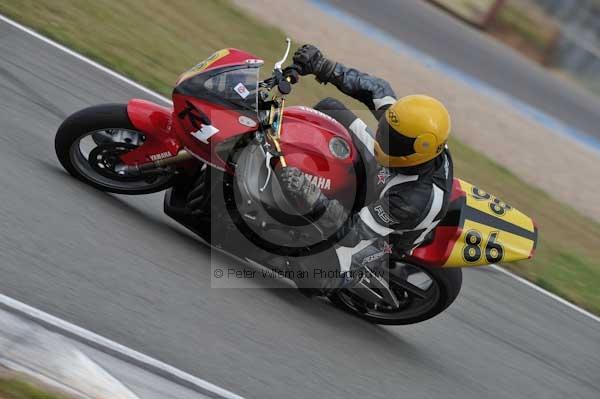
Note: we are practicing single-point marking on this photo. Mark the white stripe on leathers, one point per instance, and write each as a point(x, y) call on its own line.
point(361, 131)
point(381, 102)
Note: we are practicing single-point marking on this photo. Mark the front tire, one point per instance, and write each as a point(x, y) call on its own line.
point(437, 297)
point(98, 126)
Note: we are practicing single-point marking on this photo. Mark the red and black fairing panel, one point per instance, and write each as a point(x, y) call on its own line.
point(479, 229)
point(201, 98)
point(215, 102)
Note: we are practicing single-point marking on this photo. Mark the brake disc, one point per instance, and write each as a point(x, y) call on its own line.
point(105, 158)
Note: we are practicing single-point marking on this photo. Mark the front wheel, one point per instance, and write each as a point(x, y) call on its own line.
point(423, 294)
point(89, 144)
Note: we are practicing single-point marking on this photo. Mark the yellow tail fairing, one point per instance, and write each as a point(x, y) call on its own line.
point(492, 231)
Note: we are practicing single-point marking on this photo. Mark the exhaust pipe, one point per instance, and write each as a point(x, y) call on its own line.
point(156, 166)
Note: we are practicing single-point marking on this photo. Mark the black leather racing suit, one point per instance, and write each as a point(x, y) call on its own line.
point(402, 205)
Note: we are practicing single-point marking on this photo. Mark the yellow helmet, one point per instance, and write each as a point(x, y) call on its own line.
point(413, 131)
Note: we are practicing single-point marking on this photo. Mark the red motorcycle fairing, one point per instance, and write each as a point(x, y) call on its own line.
point(227, 124)
point(214, 102)
point(156, 123)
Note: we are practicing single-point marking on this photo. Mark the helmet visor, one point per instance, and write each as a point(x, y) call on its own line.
point(392, 142)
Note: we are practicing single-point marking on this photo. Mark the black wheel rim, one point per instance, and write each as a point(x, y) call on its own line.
point(95, 156)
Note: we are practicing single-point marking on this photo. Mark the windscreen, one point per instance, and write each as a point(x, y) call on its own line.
point(238, 86)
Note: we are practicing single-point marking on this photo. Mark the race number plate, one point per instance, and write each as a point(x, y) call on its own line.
point(492, 231)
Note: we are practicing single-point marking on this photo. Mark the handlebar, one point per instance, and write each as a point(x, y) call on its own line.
point(282, 78)
point(287, 77)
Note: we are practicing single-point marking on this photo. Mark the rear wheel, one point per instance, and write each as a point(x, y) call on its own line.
point(89, 145)
point(423, 294)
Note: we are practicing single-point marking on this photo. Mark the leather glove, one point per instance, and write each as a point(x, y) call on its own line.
point(328, 214)
point(310, 60)
point(298, 187)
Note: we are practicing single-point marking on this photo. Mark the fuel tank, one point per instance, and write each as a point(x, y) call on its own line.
point(322, 148)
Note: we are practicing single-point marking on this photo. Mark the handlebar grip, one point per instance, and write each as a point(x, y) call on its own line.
point(284, 87)
point(291, 74)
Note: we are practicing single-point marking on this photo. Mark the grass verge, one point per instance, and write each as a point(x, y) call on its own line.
point(13, 388)
point(153, 43)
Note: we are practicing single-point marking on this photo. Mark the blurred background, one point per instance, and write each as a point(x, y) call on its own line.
point(560, 34)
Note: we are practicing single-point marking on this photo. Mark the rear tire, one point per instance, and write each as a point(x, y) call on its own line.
point(448, 282)
point(84, 123)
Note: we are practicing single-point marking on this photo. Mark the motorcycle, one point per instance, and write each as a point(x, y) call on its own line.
point(215, 152)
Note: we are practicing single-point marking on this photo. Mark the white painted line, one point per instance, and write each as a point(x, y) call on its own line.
point(44, 318)
point(547, 293)
point(166, 100)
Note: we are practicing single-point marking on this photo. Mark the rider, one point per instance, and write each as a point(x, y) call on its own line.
point(408, 167)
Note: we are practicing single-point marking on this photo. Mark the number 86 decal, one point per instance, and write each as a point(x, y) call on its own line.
point(473, 250)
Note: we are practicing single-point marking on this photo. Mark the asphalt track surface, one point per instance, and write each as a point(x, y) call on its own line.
point(434, 32)
point(118, 267)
